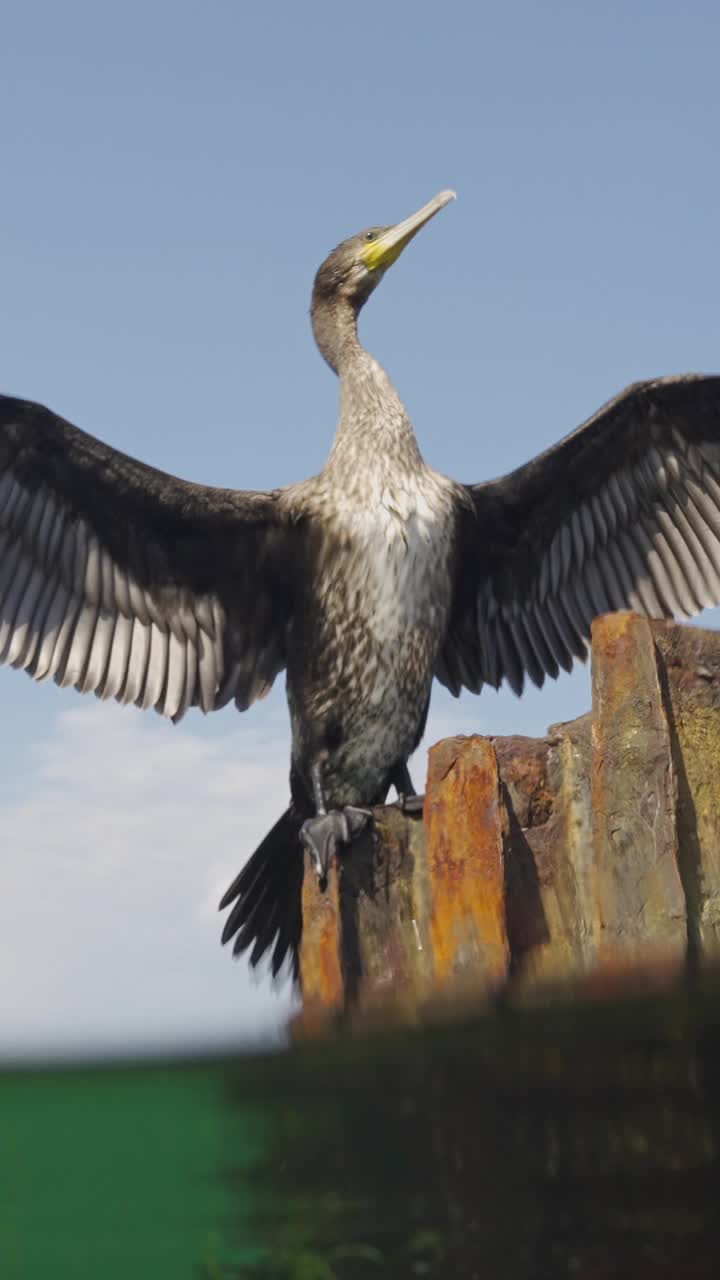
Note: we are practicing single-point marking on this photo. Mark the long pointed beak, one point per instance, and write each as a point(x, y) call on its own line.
point(390, 244)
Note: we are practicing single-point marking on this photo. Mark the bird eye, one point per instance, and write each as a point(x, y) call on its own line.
point(369, 235)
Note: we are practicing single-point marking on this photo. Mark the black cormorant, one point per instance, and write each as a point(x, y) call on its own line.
point(363, 582)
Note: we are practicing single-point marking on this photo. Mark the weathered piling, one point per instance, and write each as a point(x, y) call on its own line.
point(589, 856)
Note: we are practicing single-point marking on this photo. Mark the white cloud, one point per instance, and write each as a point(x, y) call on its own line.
point(116, 849)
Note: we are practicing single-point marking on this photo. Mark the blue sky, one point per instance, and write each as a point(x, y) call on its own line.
point(172, 175)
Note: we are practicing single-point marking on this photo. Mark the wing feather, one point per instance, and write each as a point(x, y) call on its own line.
point(623, 513)
point(120, 580)
point(116, 673)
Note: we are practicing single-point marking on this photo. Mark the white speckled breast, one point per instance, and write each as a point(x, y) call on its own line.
point(406, 552)
point(383, 617)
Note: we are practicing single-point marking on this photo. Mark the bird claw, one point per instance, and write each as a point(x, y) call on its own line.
point(322, 834)
point(410, 803)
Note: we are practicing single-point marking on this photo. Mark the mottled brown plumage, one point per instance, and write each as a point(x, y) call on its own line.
point(363, 583)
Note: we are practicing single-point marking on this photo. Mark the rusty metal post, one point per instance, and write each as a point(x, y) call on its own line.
point(417, 907)
point(547, 833)
point(639, 900)
point(689, 661)
point(465, 869)
point(581, 857)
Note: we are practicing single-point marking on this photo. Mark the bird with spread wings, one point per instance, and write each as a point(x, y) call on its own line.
point(363, 583)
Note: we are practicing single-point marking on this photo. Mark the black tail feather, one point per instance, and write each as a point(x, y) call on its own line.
point(268, 910)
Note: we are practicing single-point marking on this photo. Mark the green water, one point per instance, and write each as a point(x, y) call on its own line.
point(580, 1143)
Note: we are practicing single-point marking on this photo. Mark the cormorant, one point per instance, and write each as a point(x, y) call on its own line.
point(363, 583)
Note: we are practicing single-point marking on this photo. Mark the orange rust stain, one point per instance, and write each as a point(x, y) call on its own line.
point(320, 958)
point(465, 862)
point(620, 642)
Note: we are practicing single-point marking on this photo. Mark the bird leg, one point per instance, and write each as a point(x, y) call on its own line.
point(408, 801)
point(322, 834)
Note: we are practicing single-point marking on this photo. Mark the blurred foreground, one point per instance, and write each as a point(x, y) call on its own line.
point(548, 1142)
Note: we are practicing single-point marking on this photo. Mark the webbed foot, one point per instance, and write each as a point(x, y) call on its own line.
point(408, 801)
point(322, 834)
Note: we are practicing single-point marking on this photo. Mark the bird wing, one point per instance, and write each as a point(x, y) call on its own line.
point(118, 579)
point(624, 513)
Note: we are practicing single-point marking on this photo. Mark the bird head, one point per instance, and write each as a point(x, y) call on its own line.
point(358, 265)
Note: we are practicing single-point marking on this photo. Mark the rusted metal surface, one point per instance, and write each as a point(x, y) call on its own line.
point(384, 914)
point(571, 836)
point(638, 893)
point(545, 787)
point(321, 958)
point(362, 942)
point(466, 874)
point(415, 905)
point(586, 859)
point(689, 661)
point(526, 809)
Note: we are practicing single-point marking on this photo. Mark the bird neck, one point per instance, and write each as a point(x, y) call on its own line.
point(334, 322)
point(373, 419)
